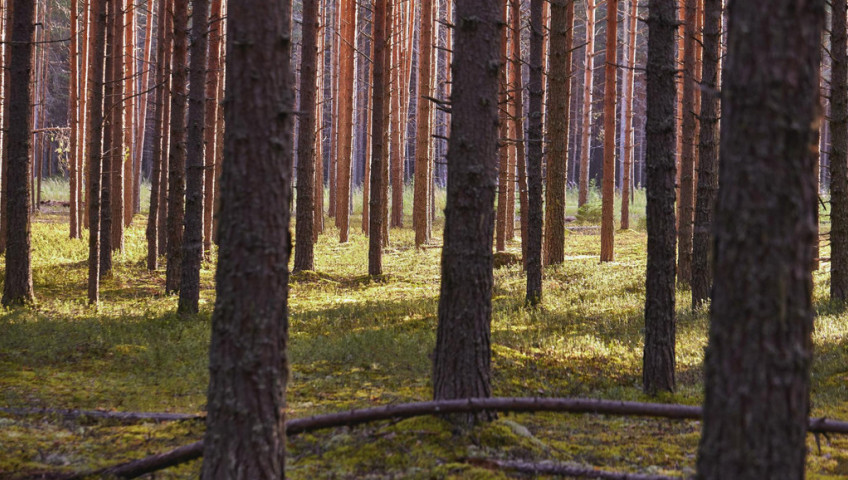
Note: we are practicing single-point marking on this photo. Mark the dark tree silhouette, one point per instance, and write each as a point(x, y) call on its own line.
point(757, 364)
point(245, 425)
point(839, 154)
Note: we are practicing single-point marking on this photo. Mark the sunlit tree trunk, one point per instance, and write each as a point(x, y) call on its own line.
point(117, 151)
point(685, 209)
point(608, 183)
point(628, 115)
point(421, 197)
point(503, 145)
point(588, 88)
point(518, 120)
point(345, 101)
point(73, 105)
point(304, 250)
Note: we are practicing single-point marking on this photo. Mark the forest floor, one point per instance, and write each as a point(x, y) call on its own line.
point(357, 342)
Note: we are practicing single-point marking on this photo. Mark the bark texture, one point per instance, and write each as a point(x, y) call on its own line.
point(245, 426)
point(562, 18)
point(192, 254)
point(608, 182)
point(17, 288)
point(757, 363)
point(378, 139)
point(533, 262)
point(686, 207)
point(462, 360)
point(155, 211)
point(97, 47)
point(177, 151)
point(660, 127)
point(421, 192)
point(304, 258)
point(702, 269)
point(839, 154)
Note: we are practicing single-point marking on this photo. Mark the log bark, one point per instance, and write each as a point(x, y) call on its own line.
point(561, 469)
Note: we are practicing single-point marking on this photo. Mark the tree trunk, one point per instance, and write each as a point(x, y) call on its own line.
point(152, 231)
point(421, 197)
point(73, 105)
point(7, 87)
point(381, 69)
point(534, 158)
point(192, 253)
point(108, 138)
point(462, 359)
point(177, 153)
point(685, 209)
point(707, 156)
point(97, 46)
point(588, 89)
point(518, 121)
point(608, 193)
point(660, 323)
point(143, 101)
point(562, 21)
point(130, 121)
point(345, 133)
point(839, 155)
point(17, 288)
point(167, 84)
point(116, 194)
point(245, 426)
point(757, 363)
point(503, 144)
point(303, 253)
point(628, 115)
point(209, 130)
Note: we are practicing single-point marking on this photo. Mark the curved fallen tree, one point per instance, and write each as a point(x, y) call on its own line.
point(350, 418)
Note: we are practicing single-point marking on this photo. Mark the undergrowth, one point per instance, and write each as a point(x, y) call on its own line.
point(357, 342)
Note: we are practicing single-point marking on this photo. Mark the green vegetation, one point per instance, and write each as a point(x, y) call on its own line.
point(358, 342)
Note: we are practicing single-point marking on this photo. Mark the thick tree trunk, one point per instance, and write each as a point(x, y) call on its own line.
point(17, 288)
point(533, 260)
point(608, 183)
point(192, 254)
point(562, 21)
point(381, 69)
point(97, 47)
point(757, 363)
point(245, 425)
point(702, 268)
point(7, 87)
point(462, 360)
point(177, 153)
point(303, 253)
point(588, 89)
point(839, 154)
point(660, 321)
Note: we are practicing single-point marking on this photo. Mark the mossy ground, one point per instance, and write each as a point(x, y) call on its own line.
point(358, 342)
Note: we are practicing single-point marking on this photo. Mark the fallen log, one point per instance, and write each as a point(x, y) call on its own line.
point(564, 469)
point(122, 416)
point(351, 418)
